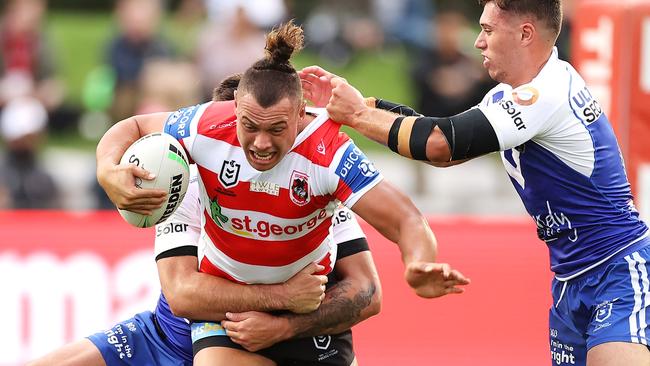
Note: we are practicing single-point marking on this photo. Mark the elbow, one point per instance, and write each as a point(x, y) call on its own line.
point(374, 307)
point(179, 306)
point(179, 303)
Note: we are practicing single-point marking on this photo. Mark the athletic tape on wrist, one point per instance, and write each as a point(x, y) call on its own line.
point(393, 133)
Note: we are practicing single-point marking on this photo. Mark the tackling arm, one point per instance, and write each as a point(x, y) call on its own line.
point(356, 297)
point(196, 295)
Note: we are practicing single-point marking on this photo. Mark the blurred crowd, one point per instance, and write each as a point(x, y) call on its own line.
point(143, 71)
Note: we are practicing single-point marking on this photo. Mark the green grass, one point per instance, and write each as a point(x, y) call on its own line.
point(382, 74)
point(79, 41)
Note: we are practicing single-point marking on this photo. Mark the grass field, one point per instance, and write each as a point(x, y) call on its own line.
point(79, 41)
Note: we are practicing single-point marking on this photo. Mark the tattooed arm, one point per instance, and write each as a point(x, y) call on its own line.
point(354, 298)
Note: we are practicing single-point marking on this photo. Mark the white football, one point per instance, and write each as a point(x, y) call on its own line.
point(163, 155)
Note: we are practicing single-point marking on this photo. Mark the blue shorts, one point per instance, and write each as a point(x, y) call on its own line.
point(137, 342)
point(607, 304)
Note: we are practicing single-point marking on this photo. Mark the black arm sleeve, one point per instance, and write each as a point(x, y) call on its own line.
point(469, 134)
point(190, 250)
point(404, 110)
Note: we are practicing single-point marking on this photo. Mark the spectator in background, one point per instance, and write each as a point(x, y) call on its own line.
point(229, 41)
point(337, 29)
point(447, 79)
point(23, 183)
point(394, 14)
point(168, 85)
point(26, 61)
point(137, 42)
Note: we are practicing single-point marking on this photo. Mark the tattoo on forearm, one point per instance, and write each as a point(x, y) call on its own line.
point(337, 312)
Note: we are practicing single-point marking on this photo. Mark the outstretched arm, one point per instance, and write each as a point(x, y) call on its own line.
point(395, 216)
point(441, 142)
point(354, 298)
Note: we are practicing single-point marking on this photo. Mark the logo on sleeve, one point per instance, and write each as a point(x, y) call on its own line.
point(514, 113)
point(299, 190)
point(178, 123)
point(355, 169)
point(587, 105)
point(367, 168)
point(229, 174)
point(497, 96)
point(526, 95)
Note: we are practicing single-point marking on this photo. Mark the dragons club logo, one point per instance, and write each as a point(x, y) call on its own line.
point(299, 189)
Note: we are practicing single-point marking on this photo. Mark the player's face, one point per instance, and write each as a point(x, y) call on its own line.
point(266, 134)
point(499, 43)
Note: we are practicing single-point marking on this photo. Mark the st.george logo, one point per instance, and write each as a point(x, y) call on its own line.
point(299, 189)
point(229, 173)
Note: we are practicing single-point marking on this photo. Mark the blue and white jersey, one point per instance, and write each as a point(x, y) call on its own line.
point(563, 159)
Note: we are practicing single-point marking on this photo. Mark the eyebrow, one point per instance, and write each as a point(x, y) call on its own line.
point(274, 124)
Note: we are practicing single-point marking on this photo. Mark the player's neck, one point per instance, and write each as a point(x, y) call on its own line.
point(533, 68)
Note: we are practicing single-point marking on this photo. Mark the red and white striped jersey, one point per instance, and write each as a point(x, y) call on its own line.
point(265, 226)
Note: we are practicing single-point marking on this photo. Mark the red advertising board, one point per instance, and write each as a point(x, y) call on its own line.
point(65, 275)
point(611, 50)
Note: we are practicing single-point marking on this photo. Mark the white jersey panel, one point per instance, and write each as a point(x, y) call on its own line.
point(183, 227)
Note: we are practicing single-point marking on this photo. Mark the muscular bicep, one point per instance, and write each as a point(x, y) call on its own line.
point(359, 267)
point(384, 207)
point(150, 123)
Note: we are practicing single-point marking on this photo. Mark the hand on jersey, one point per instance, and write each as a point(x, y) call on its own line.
point(255, 330)
point(305, 290)
point(431, 280)
point(324, 88)
point(316, 85)
point(120, 186)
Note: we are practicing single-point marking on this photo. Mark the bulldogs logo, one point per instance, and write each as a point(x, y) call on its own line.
point(299, 190)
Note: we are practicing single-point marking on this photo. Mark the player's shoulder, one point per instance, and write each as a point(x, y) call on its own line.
point(209, 118)
point(321, 139)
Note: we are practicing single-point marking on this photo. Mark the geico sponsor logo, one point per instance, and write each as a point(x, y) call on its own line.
point(349, 161)
point(170, 228)
point(264, 229)
point(58, 300)
point(586, 103)
point(174, 198)
point(515, 115)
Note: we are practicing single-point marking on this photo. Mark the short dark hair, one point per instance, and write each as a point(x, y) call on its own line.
point(226, 90)
point(273, 77)
point(548, 11)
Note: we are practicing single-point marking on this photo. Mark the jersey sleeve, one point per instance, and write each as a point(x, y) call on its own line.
point(179, 235)
point(347, 233)
point(518, 115)
point(183, 126)
point(352, 174)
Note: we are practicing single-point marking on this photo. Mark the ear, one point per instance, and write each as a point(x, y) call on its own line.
point(235, 97)
point(303, 109)
point(528, 33)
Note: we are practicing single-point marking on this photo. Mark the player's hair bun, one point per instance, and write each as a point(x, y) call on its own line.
point(283, 42)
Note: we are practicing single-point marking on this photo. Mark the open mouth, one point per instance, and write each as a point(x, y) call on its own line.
point(262, 157)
